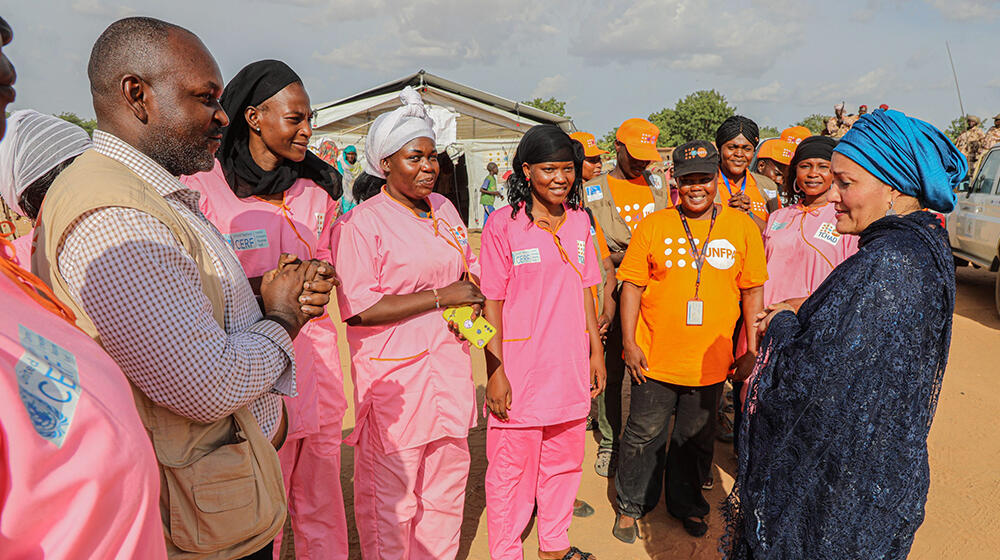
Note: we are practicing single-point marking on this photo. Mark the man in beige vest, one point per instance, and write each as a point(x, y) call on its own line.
point(619, 200)
point(125, 245)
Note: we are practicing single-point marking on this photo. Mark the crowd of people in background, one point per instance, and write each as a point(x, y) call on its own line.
point(172, 385)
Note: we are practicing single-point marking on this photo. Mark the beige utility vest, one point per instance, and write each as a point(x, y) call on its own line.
point(597, 197)
point(221, 490)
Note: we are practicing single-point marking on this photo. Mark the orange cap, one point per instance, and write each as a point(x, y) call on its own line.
point(777, 149)
point(639, 137)
point(795, 134)
point(590, 147)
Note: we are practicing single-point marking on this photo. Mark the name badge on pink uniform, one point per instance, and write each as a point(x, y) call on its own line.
point(48, 384)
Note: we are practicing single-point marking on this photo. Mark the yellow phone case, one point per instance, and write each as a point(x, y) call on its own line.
point(478, 332)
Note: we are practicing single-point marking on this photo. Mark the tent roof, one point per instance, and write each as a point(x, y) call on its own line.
point(481, 114)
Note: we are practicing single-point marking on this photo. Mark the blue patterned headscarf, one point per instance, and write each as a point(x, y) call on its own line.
point(908, 154)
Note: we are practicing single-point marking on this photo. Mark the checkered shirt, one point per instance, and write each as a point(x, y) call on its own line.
point(142, 290)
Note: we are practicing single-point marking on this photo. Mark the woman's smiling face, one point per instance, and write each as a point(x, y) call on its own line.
point(858, 196)
point(551, 181)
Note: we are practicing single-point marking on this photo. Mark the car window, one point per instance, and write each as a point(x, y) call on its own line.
point(988, 173)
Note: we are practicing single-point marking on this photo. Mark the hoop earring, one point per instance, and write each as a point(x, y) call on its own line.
point(795, 187)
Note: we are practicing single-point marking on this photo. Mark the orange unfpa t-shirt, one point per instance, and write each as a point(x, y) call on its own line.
point(633, 199)
point(659, 258)
point(758, 204)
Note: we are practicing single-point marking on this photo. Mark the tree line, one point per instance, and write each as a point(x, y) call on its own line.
point(696, 116)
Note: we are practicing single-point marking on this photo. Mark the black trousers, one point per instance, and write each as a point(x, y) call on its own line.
point(688, 458)
point(266, 553)
point(615, 366)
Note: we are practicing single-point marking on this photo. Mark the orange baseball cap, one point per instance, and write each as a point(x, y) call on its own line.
point(639, 137)
point(795, 134)
point(590, 148)
point(777, 149)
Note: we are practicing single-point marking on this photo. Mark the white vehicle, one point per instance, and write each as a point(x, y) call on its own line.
point(974, 225)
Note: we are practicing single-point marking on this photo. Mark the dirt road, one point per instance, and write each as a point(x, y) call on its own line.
point(963, 518)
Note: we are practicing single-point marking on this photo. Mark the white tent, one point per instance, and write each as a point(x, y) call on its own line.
point(474, 126)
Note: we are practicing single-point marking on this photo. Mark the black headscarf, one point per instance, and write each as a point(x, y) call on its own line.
point(254, 84)
point(733, 127)
point(544, 142)
point(812, 147)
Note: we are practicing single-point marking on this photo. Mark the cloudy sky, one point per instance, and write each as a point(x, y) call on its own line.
point(776, 60)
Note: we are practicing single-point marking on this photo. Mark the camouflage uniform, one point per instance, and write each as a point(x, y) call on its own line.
point(838, 128)
point(992, 137)
point(971, 144)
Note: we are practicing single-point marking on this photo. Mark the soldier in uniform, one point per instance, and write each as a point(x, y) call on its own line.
point(838, 125)
point(992, 136)
point(971, 141)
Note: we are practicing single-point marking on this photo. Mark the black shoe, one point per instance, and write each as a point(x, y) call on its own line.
point(582, 509)
point(695, 526)
point(626, 535)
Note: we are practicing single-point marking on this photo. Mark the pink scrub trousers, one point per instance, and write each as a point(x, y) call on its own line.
point(408, 504)
point(529, 465)
point(311, 469)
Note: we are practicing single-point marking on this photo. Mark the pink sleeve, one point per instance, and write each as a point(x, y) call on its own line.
point(495, 259)
point(475, 265)
point(356, 260)
point(771, 218)
point(323, 251)
point(591, 264)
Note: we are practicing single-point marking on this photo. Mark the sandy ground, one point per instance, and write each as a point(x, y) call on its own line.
point(962, 522)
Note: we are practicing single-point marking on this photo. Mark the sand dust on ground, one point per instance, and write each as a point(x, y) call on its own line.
point(962, 520)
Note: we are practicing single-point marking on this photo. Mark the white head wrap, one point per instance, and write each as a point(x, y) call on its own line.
point(33, 146)
point(391, 131)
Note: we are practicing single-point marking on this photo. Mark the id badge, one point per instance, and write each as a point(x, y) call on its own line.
point(696, 309)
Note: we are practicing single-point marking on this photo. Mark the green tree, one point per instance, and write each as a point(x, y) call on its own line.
point(816, 123)
point(693, 118)
point(769, 132)
point(608, 142)
point(89, 126)
point(957, 126)
point(551, 105)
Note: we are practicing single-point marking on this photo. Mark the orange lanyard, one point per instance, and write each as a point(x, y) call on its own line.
point(544, 226)
point(802, 223)
point(453, 242)
point(33, 285)
point(284, 212)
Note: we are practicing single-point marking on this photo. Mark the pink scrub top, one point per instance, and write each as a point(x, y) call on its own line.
point(78, 478)
point(546, 348)
point(412, 378)
point(802, 248)
point(22, 250)
point(259, 231)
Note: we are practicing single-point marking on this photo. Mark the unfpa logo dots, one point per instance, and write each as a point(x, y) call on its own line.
point(692, 153)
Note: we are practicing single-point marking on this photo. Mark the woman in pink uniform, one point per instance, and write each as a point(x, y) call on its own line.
point(801, 240)
point(77, 470)
point(546, 361)
point(405, 257)
point(34, 151)
point(269, 195)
